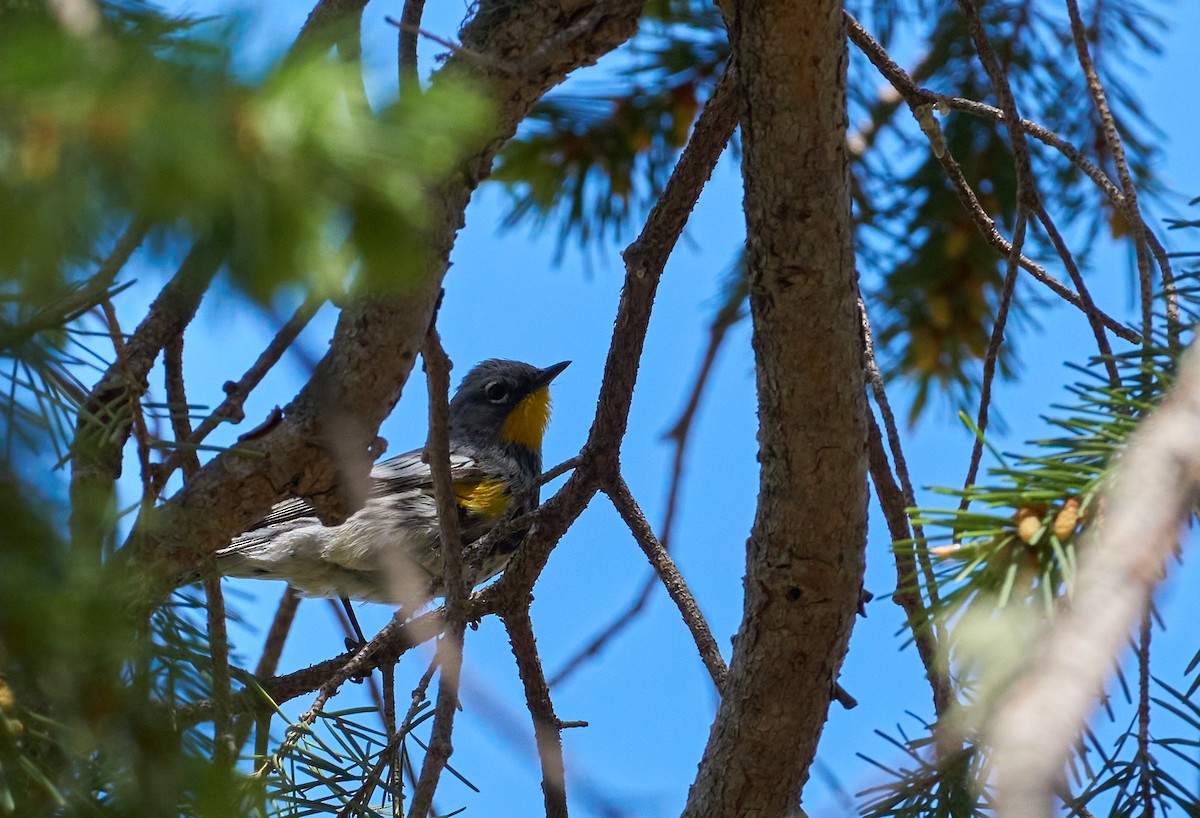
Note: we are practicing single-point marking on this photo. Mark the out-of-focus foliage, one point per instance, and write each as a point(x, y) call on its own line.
point(118, 123)
point(590, 163)
point(137, 120)
point(86, 695)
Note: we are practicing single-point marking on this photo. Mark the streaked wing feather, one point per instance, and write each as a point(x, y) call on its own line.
point(397, 474)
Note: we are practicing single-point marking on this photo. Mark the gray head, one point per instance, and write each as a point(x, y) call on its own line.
point(504, 403)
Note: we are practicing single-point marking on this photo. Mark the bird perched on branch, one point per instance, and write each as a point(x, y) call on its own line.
point(390, 550)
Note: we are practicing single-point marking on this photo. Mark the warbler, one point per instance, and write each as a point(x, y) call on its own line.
point(390, 550)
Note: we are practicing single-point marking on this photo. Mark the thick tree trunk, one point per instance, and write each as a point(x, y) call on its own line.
point(805, 554)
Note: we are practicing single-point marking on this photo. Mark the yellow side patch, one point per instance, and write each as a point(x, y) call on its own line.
point(526, 423)
point(487, 497)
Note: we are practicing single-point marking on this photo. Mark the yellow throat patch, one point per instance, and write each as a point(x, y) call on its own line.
point(526, 423)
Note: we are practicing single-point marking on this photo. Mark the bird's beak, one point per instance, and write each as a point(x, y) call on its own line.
point(548, 374)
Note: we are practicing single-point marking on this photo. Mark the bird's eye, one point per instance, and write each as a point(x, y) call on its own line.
point(496, 392)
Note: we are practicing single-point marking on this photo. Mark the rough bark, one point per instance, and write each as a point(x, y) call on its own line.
point(805, 553)
point(323, 447)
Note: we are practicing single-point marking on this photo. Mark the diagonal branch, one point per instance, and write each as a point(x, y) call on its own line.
point(1129, 192)
point(729, 314)
point(894, 500)
point(104, 424)
point(922, 102)
point(236, 393)
point(645, 260)
point(672, 580)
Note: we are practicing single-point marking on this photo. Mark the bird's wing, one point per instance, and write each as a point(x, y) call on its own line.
point(404, 472)
point(408, 471)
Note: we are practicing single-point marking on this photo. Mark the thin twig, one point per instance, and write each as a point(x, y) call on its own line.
point(1068, 260)
point(921, 102)
point(118, 257)
point(547, 727)
point(1028, 200)
point(1145, 775)
point(236, 393)
point(103, 426)
point(268, 661)
point(359, 800)
point(177, 405)
point(225, 744)
point(224, 747)
point(672, 580)
point(137, 413)
point(455, 48)
point(927, 631)
point(450, 647)
point(993, 354)
point(728, 315)
point(1113, 140)
point(281, 625)
point(645, 260)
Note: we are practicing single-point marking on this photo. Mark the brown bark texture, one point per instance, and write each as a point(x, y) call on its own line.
point(805, 553)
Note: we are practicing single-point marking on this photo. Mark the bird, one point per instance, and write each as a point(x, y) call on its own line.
point(390, 550)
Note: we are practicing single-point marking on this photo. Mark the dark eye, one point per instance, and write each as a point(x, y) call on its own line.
point(496, 392)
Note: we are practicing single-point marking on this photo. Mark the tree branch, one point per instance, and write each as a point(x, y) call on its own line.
point(804, 558)
point(547, 727)
point(322, 449)
point(672, 580)
point(236, 393)
point(1129, 192)
point(450, 647)
point(921, 102)
point(730, 313)
point(104, 422)
point(894, 501)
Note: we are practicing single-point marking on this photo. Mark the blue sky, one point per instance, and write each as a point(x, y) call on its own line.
point(647, 698)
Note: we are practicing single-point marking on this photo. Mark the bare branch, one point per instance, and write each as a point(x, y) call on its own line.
point(1122, 558)
point(893, 501)
point(1113, 139)
point(992, 355)
point(121, 252)
point(1028, 200)
point(360, 799)
point(450, 647)
point(547, 727)
point(729, 314)
point(177, 405)
point(645, 260)
point(406, 48)
point(236, 393)
point(1068, 261)
point(672, 580)
point(104, 421)
point(921, 102)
